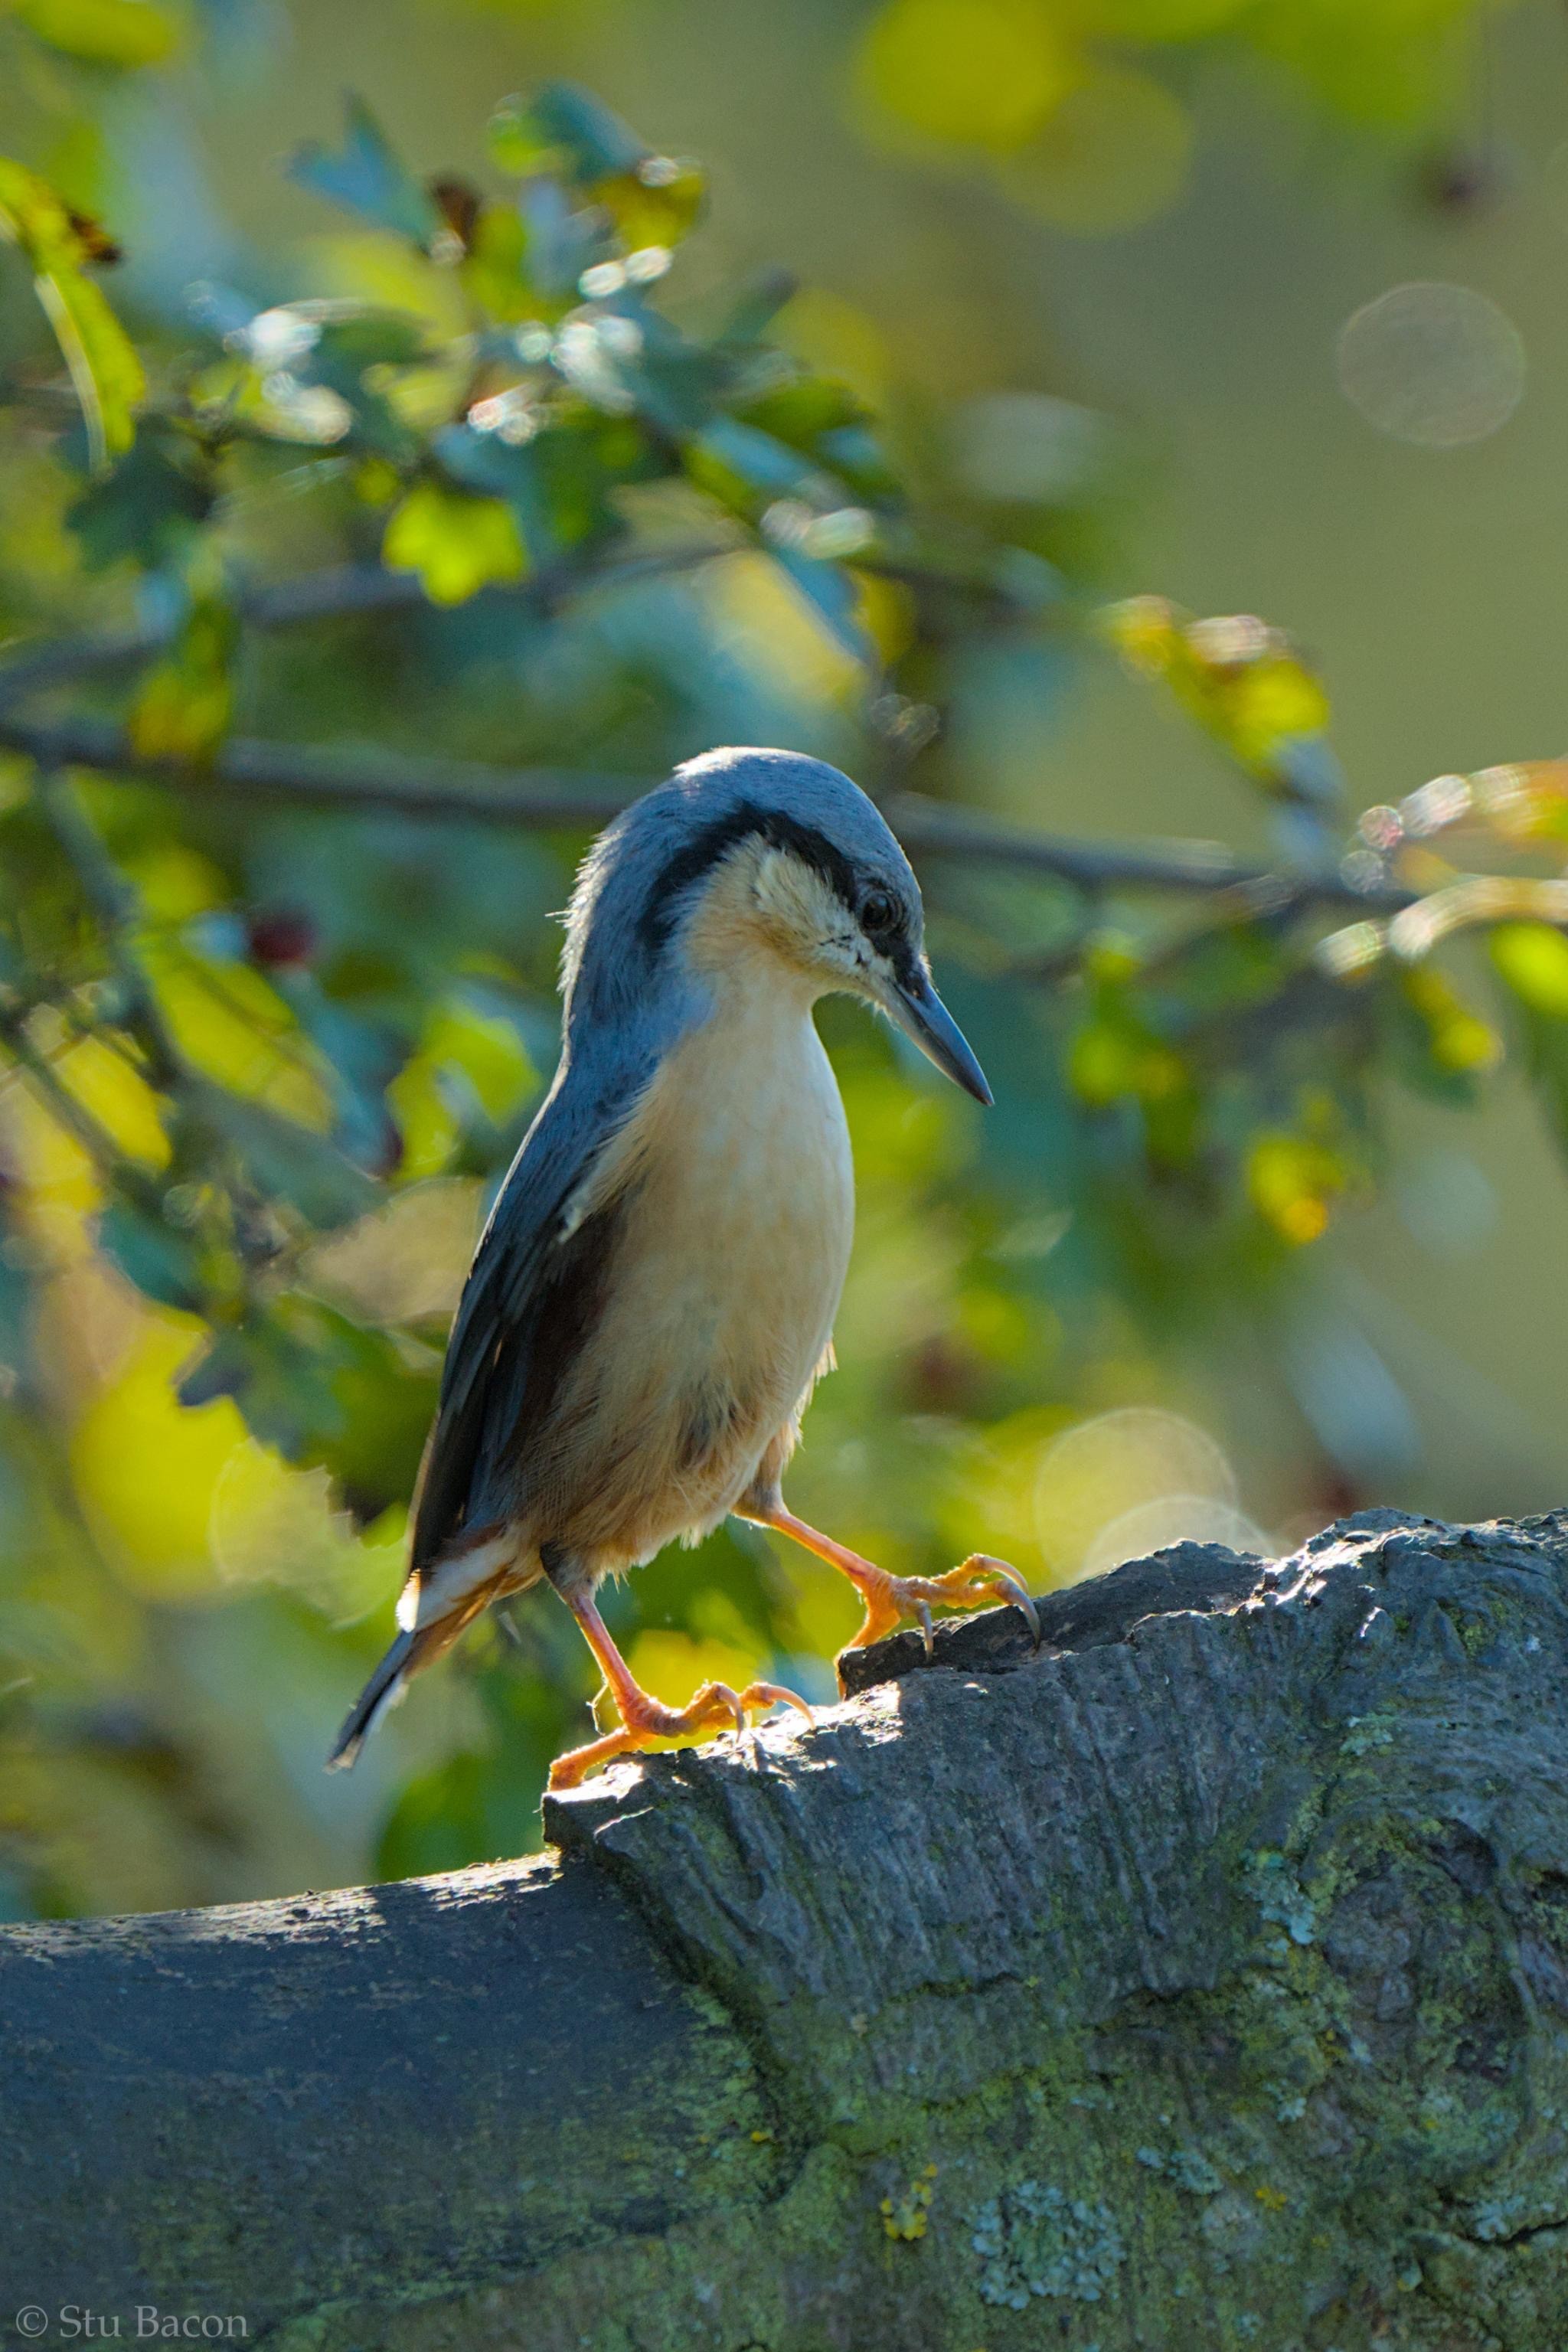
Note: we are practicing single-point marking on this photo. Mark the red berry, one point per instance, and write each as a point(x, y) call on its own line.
point(280, 935)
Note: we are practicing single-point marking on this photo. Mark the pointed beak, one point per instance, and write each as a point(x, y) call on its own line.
point(921, 1014)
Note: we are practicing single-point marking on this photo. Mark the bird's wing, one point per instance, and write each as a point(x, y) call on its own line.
point(527, 1299)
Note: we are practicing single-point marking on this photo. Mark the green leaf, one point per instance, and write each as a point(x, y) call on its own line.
point(344, 352)
point(456, 543)
point(480, 1807)
point(104, 32)
point(104, 368)
point(289, 1162)
point(365, 176)
point(164, 1263)
point(565, 132)
point(182, 710)
point(147, 506)
point(562, 128)
point(495, 266)
point(328, 1392)
point(438, 1822)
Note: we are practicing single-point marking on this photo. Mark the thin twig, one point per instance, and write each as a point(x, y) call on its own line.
point(561, 800)
point(324, 778)
point(113, 902)
point(94, 1139)
point(334, 593)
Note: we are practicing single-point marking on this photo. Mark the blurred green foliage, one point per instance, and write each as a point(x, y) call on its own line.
point(486, 479)
point(1079, 106)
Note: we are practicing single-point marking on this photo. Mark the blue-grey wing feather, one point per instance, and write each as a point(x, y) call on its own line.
point(497, 1374)
point(524, 1254)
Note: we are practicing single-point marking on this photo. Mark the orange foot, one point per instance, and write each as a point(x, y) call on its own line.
point(645, 1719)
point(890, 1599)
point(978, 1582)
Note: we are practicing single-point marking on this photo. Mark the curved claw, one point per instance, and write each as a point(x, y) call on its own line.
point(1017, 1593)
point(721, 1695)
point(922, 1610)
point(756, 1694)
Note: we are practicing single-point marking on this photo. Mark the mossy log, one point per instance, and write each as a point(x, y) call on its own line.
point(1198, 1980)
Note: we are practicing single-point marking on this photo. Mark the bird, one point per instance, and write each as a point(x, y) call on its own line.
point(652, 1299)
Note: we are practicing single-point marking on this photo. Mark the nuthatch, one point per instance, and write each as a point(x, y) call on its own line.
point(652, 1301)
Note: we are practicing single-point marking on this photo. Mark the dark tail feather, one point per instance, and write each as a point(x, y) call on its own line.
point(383, 1689)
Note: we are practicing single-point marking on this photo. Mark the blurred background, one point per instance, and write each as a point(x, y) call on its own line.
point(861, 378)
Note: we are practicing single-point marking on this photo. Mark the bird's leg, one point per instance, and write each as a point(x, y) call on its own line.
point(890, 1599)
point(644, 1719)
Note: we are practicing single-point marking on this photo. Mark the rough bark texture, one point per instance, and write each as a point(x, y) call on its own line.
point(1202, 1980)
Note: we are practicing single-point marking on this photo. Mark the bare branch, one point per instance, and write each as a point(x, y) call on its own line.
point(563, 800)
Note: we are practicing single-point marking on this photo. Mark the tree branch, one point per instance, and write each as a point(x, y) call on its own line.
point(1083, 1990)
point(337, 781)
point(547, 799)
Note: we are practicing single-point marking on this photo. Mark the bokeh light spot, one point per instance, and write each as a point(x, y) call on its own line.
point(1113, 154)
point(1171, 1519)
point(1130, 1460)
point(1030, 446)
point(1435, 364)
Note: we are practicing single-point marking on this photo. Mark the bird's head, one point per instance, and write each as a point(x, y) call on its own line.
point(769, 864)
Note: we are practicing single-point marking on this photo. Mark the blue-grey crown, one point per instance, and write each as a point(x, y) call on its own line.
point(645, 869)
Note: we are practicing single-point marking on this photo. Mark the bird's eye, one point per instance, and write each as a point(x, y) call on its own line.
point(879, 913)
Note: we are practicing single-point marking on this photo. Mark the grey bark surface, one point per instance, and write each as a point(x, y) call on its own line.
point(1199, 1979)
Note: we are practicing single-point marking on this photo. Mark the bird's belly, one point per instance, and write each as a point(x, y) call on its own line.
point(728, 1268)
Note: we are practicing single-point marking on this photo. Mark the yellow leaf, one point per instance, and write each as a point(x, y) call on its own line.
point(495, 267)
point(118, 1097)
point(176, 716)
point(1384, 64)
point(243, 1036)
point(1146, 632)
point(456, 544)
point(489, 1052)
point(1292, 1183)
point(1242, 680)
point(146, 1468)
point(184, 707)
point(654, 205)
point(886, 611)
point(673, 1664)
point(971, 73)
point(462, 1046)
point(1459, 1040)
point(1102, 1064)
point(104, 32)
point(1269, 703)
point(1533, 960)
point(104, 368)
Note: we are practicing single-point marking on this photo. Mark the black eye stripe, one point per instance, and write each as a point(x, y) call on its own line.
point(688, 866)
